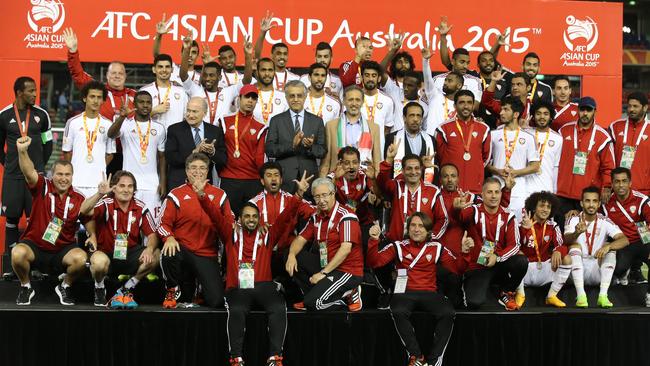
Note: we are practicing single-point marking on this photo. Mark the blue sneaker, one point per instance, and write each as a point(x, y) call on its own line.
point(117, 301)
point(127, 299)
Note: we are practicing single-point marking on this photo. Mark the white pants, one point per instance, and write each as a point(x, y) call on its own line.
point(151, 200)
point(538, 277)
point(516, 206)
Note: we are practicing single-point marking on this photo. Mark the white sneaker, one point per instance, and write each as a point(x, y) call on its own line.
point(647, 300)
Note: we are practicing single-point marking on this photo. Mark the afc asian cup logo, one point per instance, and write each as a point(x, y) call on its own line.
point(46, 9)
point(586, 29)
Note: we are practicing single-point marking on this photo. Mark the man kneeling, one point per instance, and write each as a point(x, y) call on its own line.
point(119, 223)
point(48, 243)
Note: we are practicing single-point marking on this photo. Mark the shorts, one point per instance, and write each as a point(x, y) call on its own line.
point(16, 198)
point(538, 277)
point(130, 265)
point(48, 262)
point(151, 200)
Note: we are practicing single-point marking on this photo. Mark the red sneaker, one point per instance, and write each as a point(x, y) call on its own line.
point(274, 361)
point(299, 306)
point(173, 293)
point(354, 300)
point(507, 299)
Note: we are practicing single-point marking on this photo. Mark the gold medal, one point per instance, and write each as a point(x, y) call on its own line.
point(89, 158)
point(467, 156)
point(236, 154)
point(143, 160)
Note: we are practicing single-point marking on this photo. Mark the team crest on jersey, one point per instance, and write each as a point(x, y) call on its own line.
point(547, 238)
point(37, 119)
point(277, 101)
point(522, 141)
point(252, 131)
point(358, 187)
point(408, 255)
point(568, 138)
point(429, 257)
point(499, 86)
point(329, 108)
point(540, 93)
point(474, 134)
point(102, 129)
point(177, 96)
point(551, 143)
point(453, 134)
point(187, 197)
point(220, 97)
point(612, 209)
point(644, 137)
point(425, 200)
point(154, 132)
point(70, 206)
point(620, 133)
point(132, 219)
point(231, 127)
point(211, 197)
point(632, 209)
point(380, 105)
point(573, 113)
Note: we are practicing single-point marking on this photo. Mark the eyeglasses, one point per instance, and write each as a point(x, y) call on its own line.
point(199, 168)
point(323, 196)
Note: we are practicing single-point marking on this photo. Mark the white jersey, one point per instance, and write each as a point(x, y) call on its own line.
point(333, 83)
point(145, 170)
point(523, 150)
point(605, 228)
point(219, 102)
point(394, 89)
point(282, 78)
point(230, 78)
point(177, 102)
point(441, 110)
point(88, 173)
point(325, 107)
point(471, 83)
point(194, 75)
point(549, 152)
point(273, 102)
point(380, 109)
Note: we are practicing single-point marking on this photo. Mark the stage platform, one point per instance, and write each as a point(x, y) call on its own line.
point(47, 333)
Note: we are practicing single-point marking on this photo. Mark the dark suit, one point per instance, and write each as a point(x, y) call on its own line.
point(179, 145)
point(407, 148)
point(279, 145)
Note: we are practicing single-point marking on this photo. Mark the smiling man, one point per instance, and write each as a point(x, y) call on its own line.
point(169, 97)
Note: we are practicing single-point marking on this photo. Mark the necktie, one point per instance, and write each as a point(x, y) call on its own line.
point(296, 125)
point(197, 137)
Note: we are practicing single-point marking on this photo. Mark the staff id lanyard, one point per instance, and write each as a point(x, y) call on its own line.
point(641, 226)
point(265, 214)
point(121, 239)
point(322, 244)
point(488, 246)
point(402, 274)
point(54, 227)
point(247, 270)
point(580, 157)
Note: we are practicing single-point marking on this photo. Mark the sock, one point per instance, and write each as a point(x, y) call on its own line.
point(28, 285)
point(577, 271)
point(11, 234)
point(131, 283)
point(606, 272)
point(520, 288)
point(99, 284)
point(559, 278)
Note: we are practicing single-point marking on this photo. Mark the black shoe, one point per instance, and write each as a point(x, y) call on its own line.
point(636, 276)
point(25, 295)
point(100, 296)
point(64, 295)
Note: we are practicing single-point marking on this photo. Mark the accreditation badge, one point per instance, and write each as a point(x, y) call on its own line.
point(627, 156)
point(120, 247)
point(644, 232)
point(246, 276)
point(401, 281)
point(486, 250)
point(322, 251)
point(53, 230)
point(580, 163)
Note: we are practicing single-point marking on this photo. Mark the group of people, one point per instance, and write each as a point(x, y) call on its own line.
point(435, 187)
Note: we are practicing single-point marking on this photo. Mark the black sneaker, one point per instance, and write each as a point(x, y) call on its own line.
point(100, 296)
point(64, 295)
point(636, 276)
point(25, 295)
